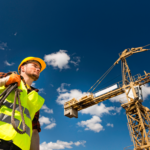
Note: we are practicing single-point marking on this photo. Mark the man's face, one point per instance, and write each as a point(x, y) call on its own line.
point(32, 69)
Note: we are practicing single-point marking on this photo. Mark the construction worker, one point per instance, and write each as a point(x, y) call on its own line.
point(29, 71)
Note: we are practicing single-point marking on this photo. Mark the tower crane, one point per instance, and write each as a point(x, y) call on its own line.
point(138, 116)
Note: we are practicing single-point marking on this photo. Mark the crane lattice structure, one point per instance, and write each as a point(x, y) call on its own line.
point(138, 116)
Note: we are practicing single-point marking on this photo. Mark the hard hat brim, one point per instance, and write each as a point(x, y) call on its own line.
point(43, 64)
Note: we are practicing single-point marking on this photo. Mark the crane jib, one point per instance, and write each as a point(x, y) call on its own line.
point(138, 116)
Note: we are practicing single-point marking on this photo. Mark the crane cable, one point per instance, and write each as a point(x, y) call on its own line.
point(111, 79)
point(103, 76)
point(146, 45)
point(107, 72)
point(100, 79)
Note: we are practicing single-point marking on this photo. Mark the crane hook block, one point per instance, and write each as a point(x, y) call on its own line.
point(70, 111)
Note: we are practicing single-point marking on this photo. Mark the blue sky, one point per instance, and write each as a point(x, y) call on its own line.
point(79, 40)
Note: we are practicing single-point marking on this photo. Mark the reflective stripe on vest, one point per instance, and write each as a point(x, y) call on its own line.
point(7, 119)
point(10, 105)
point(27, 128)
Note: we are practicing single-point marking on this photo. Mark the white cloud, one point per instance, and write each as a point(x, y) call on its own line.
point(3, 46)
point(42, 91)
point(44, 120)
point(114, 113)
point(111, 125)
point(49, 122)
point(47, 110)
point(50, 126)
point(145, 91)
point(15, 34)
point(77, 69)
point(92, 124)
point(118, 109)
point(61, 89)
point(60, 145)
point(59, 59)
point(122, 98)
point(99, 110)
point(65, 95)
point(78, 143)
point(33, 84)
point(52, 85)
point(8, 64)
point(76, 62)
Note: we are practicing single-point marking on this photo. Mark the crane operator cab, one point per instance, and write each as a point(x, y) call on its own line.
point(138, 92)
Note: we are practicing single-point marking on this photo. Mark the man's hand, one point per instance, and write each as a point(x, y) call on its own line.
point(35, 141)
point(12, 79)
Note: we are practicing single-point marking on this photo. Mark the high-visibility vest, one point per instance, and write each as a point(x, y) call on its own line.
point(30, 103)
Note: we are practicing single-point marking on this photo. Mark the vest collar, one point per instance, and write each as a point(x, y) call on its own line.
point(32, 88)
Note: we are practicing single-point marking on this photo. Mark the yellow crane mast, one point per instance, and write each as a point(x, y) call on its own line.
point(138, 116)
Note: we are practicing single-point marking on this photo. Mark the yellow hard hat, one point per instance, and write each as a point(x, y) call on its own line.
point(43, 64)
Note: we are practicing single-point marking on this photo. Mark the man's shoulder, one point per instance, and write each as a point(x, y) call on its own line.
point(3, 74)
